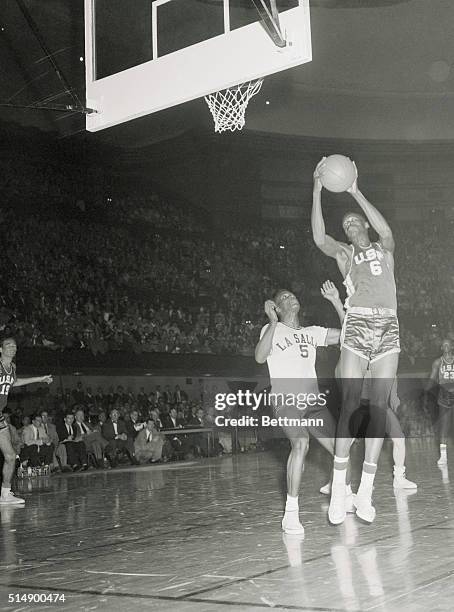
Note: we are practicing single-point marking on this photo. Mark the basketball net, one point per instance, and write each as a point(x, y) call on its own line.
point(228, 106)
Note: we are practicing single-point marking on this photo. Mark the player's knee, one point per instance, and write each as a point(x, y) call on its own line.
point(9, 457)
point(351, 397)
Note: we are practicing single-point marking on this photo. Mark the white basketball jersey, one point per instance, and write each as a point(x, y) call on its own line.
point(293, 356)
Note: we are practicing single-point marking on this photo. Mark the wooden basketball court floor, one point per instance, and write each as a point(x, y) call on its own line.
point(205, 536)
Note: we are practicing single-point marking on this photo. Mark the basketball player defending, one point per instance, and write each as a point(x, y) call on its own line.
point(290, 351)
point(370, 336)
point(443, 375)
point(9, 379)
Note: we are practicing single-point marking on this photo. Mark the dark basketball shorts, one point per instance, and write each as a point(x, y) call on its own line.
point(370, 333)
point(320, 422)
point(445, 398)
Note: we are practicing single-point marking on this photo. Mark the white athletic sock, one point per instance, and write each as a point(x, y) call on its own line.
point(291, 504)
point(443, 449)
point(367, 481)
point(348, 488)
point(6, 491)
point(340, 474)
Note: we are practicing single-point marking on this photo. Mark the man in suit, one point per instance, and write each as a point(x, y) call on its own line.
point(75, 447)
point(200, 440)
point(142, 399)
point(179, 395)
point(93, 440)
point(59, 459)
point(170, 420)
point(114, 431)
point(148, 444)
point(37, 449)
point(133, 424)
point(168, 395)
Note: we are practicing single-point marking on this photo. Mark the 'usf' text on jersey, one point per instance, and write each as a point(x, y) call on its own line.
point(370, 279)
point(296, 338)
point(374, 257)
point(446, 373)
point(7, 380)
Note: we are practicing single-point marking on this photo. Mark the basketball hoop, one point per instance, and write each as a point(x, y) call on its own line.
point(228, 106)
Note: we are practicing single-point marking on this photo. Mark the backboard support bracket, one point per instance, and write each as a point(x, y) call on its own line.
point(270, 21)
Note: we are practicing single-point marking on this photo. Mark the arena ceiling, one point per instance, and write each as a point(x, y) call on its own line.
point(381, 69)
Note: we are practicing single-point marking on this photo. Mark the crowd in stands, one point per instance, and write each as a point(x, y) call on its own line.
point(139, 273)
point(76, 429)
point(83, 428)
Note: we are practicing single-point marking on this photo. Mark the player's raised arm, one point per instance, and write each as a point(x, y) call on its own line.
point(265, 344)
point(330, 292)
point(374, 216)
point(325, 243)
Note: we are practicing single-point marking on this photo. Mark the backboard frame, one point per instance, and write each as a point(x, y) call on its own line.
point(192, 72)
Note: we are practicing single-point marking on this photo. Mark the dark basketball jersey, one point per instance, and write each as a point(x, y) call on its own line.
point(370, 282)
point(446, 382)
point(7, 379)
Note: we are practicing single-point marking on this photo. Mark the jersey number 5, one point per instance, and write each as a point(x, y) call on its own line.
point(303, 350)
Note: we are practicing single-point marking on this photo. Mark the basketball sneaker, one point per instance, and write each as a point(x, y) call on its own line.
point(291, 523)
point(10, 498)
point(326, 489)
point(337, 505)
point(400, 481)
point(365, 509)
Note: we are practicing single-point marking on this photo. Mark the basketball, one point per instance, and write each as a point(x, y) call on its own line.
point(338, 174)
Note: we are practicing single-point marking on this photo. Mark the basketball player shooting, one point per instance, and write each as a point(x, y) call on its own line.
point(369, 339)
point(393, 428)
point(8, 379)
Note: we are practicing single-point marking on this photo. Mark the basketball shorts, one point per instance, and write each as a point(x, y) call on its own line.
point(320, 422)
point(369, 333)
point(445, 398)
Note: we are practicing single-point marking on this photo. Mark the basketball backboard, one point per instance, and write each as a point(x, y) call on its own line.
point(143, 56)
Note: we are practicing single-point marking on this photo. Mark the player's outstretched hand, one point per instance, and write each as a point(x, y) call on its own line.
point(319, 168)
point(47, 379)
point(329, 291)
point(354, 188)
point(270, 309)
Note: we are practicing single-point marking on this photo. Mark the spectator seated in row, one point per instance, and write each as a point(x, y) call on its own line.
point(93, 440)
point(75, 447)
point(38, 449)
point(133, 424)
point(59, 458)
point(114, 431)
point(149, 444)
